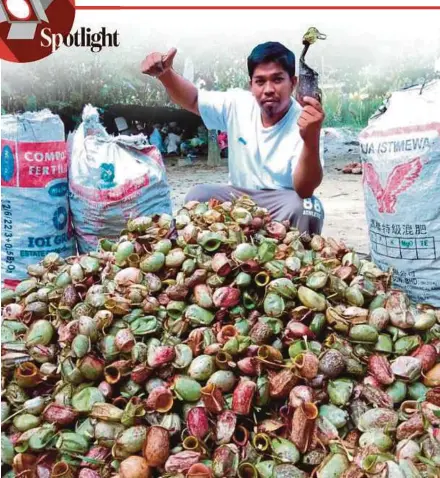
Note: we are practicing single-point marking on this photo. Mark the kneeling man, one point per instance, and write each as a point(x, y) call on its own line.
point(275, 155)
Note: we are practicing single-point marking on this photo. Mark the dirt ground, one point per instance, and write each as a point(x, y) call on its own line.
point(341, 194)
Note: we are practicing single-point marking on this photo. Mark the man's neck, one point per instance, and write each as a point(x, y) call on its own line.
point(269, 120)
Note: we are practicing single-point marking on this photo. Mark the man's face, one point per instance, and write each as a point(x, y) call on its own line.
point(272, 87)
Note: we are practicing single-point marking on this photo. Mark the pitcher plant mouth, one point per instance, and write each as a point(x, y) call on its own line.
point(247, 470)
point(110, 304)
point(250, 266)
point(262, 279)
point(133, 260)
point(299, 360)
point(120, 402)
point(227, 332)
point(65, 313)
point(192, 443)
point(212, 245)
point(112, 375)
point(164, 402)
point(269, 354)
point(27, 375)
point(222, 360)
point(27, 369)
point(240, 436)
point(310, 410)
point(261, 442)
point(61, 470)
point(409, 407)
point(248, 301)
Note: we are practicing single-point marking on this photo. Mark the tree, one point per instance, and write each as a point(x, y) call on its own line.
point(214, 158)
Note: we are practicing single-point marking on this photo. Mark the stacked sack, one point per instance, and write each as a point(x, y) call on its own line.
point(112, 179)
point(35, 219)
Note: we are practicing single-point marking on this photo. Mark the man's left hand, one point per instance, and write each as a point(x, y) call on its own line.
point(310, 120)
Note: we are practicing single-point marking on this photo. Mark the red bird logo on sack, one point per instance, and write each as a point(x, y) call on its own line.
point(402, 177)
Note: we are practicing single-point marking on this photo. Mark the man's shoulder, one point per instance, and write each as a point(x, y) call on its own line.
point(242, 101)
point(235, 97)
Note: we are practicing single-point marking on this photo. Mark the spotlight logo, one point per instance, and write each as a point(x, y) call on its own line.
point(24, 22)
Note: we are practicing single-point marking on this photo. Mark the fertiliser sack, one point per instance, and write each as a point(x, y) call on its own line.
point(400, 150)
point(35, 217)
point(112, 179)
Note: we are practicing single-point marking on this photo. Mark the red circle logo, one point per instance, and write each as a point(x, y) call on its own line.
point(33, 29)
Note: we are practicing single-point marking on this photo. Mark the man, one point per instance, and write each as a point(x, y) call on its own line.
point(274, 142)
point(172, 142)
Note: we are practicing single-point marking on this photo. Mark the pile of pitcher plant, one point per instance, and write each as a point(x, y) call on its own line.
point(217, 344)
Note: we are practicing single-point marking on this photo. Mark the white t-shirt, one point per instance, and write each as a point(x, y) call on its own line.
point(259, 157)
point(172, 143)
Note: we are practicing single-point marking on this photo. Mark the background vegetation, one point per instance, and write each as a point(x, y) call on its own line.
point(354, 85)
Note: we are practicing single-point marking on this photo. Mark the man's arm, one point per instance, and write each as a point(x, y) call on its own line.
point(180, 90)
point(308, 172)
point(213, 106)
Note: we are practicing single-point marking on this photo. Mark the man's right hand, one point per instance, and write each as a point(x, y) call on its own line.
point(156, 64)
point(181, 91)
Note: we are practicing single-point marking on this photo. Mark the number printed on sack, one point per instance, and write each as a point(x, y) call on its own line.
point(8, 236)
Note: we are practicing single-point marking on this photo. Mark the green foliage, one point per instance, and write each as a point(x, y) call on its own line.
point(70, 79)
point(351, 110)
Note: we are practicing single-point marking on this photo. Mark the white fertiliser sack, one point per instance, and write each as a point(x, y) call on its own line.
point(400, 151)
point(112, 179)
point(35, 217)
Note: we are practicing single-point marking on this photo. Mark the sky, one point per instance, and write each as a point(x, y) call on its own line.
point(381, 31)
point(362, 38)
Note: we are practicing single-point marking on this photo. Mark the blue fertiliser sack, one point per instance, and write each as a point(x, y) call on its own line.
point(112, 179)
point(35, 213)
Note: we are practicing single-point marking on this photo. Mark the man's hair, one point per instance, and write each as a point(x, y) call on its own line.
point(271, 51)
